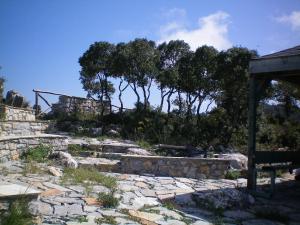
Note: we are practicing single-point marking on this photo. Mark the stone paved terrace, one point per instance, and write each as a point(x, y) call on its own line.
point(157, 200)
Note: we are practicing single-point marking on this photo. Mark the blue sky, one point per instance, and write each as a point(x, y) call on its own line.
point(41, 40)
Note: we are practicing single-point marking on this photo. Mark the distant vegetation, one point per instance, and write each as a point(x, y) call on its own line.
point(204, 94)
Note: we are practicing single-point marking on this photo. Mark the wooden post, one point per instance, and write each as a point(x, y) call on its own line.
point(36, 103)
point(253, 98)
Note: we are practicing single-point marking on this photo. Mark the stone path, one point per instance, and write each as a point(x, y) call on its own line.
point(153, 200)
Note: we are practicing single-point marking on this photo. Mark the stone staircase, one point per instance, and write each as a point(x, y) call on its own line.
point(19, 130)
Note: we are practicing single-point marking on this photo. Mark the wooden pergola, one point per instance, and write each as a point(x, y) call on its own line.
point(281, 66)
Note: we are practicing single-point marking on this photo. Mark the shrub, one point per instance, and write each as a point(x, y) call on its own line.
point(108, 200)
point(75, 150)
point(106, 220)
point(39, 153)
point(18, 214)
point(233, 174)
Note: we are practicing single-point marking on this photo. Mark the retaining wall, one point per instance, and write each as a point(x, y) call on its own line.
point(17, 114)
point(198, 168)
point(12, 148)
point(22, 128)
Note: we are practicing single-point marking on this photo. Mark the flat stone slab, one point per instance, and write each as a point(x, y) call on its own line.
point(17, 190)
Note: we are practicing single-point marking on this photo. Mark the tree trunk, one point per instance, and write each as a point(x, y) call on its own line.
point(162, 98)
point(148, 90)
point(145, 97)
point(120, 94)
point(134, 88)
point(169, 100)
point(180, 102)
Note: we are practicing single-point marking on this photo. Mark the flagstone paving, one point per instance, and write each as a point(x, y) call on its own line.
point(151, 200)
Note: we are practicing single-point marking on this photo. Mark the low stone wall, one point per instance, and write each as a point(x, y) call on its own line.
point(20, 114)
point(22, 128)
point(68, 105)
point(13, 148)
point(198, 168)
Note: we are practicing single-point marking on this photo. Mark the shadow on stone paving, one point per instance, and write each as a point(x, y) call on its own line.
point(237, 206)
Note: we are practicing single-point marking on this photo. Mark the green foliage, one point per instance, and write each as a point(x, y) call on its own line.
point(108, 200)
point(106, 220)
point(39, 153)
point(232, 174)
point(75, 149)
point(82, 219)
point(2, 80)
point(18, 214)
point(83, 175)
point(31, 167)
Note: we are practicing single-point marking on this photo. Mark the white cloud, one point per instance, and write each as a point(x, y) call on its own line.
point(211, 30)
point(292, 19)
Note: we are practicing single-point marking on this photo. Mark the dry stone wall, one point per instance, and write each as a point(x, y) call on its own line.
point(68, 105)
point(13, 148)
point(22, 128)
point(17, 114)
point(198, 168)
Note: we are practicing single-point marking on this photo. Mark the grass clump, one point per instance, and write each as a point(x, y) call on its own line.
point(108, 200)
point(18, 214)
point(272, 214)
point(232, 174)
point(169, 205)
point(75, 150)
point(31, 167)
point(144, 144)
point(107, 220)
point(83, 175)
point(39, 153)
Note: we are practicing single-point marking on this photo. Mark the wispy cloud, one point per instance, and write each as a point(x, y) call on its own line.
point(210, 30)
point(292, 19)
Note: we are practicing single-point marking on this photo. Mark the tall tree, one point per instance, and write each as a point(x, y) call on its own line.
point(233, 77)
point(205, 65)
point(167, 79)
point(95, 66)
point(141, 59)
point(119, 70)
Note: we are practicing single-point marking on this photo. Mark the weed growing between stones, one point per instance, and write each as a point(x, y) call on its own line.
point(106, 220)
point(83, 175)
point(39, 153)
point(108, 200)
point(169, 205)
point(31, 167)
point(75, 150)
point(232, 174)
point(143, 144)
point(82, 219)
point(17, 214)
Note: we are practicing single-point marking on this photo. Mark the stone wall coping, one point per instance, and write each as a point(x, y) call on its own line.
point(25, 121)
point(7, 138)
point(175, 158)
point(12, 107)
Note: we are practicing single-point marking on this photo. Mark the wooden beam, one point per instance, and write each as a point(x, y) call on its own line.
point(275, 65)
point(251, 182)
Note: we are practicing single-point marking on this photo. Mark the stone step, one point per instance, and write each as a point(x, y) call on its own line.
point(102, 164)
point(23, 128)
point(12, 147)
point(94, 154)
point(112, 147)
point(16, 114)
point(16, 191)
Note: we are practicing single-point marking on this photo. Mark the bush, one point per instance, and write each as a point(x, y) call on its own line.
point(233, 174)
point(39, 153)
point(108, 200)
point(18, 214)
